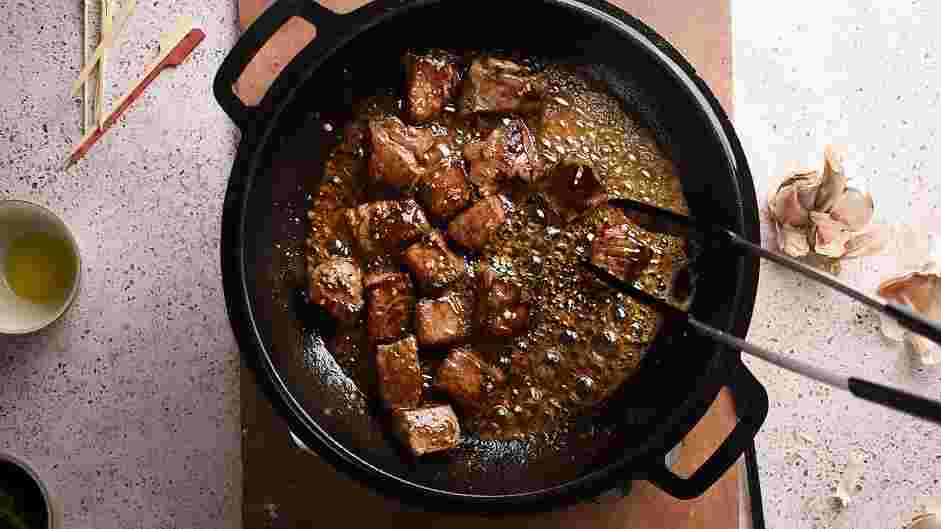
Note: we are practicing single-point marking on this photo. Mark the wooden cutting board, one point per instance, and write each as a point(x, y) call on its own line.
point(284, 487)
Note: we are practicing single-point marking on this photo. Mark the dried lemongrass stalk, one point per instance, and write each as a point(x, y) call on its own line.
point(107, 19)
point(91, 36)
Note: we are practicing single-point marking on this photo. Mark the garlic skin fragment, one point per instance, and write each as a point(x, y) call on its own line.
point(849, 481)
point(854, 209)
point(920, 291)
point(869, 242)
point(833, 184)
point(926, 521)
point(792, 240)
point(927, 515)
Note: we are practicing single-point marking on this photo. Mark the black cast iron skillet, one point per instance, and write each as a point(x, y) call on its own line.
point(281, 153)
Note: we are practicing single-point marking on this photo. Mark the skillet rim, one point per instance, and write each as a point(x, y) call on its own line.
point(238, 300)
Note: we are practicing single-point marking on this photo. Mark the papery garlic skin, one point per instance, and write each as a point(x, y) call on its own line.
point(919, 290)
point(833, 183)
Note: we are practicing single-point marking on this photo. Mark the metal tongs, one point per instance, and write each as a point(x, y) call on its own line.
point(711, 236)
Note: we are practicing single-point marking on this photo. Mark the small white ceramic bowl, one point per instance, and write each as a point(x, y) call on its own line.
point(18, 315)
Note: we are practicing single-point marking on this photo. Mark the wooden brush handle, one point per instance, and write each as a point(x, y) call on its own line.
point(179, 52)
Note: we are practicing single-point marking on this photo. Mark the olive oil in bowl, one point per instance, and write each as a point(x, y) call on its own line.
point(40, 267)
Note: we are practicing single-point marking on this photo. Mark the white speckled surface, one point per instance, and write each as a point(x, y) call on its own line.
point(862, 73)
point(128, 406)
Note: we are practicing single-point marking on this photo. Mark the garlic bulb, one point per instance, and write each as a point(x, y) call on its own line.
point(821, 213)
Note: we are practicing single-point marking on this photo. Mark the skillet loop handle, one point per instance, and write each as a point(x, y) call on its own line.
point(256, 36)
point(751, 401)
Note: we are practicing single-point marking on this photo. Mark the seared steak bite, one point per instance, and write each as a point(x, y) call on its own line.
point(355, 138)
point(386, 225)
point(618, 250)
point(434, 264)
point(443, 322)
point(432, 80)
point(464, 377)
point(399, 373)
point(474, 228)
point(390, 306)
point(497, 85)
point(428, 429)
point(508, 151)
point(337, 286)
point(456, 206)
point(397, 151)
point(501, 310)
point(444, 190)
point(573, 189)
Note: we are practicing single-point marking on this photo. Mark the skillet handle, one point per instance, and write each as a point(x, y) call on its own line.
point(253, 40)
point(751, 401)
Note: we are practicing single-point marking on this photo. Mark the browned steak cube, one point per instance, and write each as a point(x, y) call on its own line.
point(618, 250)
point(397, 151)
point(390, 306)
point(432, 80)
point(511, 321)
point(434, 264)
point(428, 429)
point(496, 85)
point(355, 137)
point(399, 373)
point(501, 311)
point(474, 228)
point(444, 190)
point(443, 322)
point(465, 377)
point(573, 189)
point(337, 286)
point(509, 151)
point(336, 191)
point(386, 225)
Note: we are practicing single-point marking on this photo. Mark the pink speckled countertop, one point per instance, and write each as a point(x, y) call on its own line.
point(129, 406)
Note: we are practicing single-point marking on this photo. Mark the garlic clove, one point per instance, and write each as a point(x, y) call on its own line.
point(786, 208)
point(869, 242)
point(853, 208)
point(833, 183)
point(792, 240)
point(788, 202)
point(807, 187)
point(830, 237)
